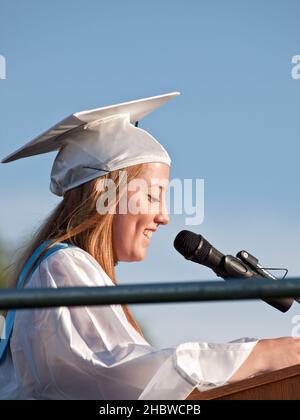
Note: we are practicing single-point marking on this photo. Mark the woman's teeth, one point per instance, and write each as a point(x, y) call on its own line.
point(148, 233)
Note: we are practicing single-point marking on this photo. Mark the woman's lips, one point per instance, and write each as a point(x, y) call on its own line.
point(148, 233)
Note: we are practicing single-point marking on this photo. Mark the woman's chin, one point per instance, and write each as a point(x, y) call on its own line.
point(139, 258)
point(139, 255)
point(135, 257)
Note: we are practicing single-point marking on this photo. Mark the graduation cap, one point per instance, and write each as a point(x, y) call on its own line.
point(94, 142)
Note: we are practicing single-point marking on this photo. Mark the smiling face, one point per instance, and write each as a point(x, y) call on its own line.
point(146, 209)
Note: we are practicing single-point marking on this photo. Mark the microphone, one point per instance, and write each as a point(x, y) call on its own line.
point(196, 248)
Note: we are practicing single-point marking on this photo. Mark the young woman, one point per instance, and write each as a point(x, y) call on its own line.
point(99, 352)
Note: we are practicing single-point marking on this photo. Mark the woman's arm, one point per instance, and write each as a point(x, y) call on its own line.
point(269, 355)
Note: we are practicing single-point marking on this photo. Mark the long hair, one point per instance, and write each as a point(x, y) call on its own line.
point(76, 220)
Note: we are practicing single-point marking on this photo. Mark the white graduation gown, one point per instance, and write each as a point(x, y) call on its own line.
point(95, 353)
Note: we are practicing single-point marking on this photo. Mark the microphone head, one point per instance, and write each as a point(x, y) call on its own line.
point(186, 243)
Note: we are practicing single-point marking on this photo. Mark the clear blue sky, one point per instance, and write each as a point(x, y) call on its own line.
point(235, 125)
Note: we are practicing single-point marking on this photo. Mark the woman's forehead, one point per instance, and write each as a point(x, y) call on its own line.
point(155, 169)
point(155, 175)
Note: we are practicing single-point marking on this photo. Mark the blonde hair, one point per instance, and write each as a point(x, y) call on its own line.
point(75, 220)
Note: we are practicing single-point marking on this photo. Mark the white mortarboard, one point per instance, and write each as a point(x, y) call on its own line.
point(94, 142)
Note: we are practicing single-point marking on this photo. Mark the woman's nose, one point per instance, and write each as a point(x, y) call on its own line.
point(162, 217)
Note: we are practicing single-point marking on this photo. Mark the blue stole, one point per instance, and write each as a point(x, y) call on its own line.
point(11, 314)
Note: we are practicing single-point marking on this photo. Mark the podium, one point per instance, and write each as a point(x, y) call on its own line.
point(283, 384)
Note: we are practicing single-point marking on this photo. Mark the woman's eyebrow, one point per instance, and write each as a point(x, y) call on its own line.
point(164, 184)
point(161, 187)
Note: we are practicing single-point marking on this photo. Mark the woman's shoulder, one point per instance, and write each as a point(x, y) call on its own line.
point(71, 266)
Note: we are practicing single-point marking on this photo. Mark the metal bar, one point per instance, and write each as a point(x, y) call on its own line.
point(150, 293)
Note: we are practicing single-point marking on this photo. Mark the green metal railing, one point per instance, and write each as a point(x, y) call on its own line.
point(233, 289)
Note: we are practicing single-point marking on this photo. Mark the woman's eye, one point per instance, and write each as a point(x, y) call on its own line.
point(153, 199)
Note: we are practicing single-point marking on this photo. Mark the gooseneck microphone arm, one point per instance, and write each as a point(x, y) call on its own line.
point(197, 249)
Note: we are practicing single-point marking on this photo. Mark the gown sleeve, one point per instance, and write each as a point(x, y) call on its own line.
point(95, 353)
